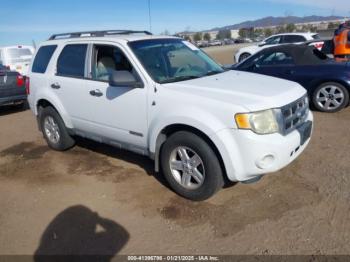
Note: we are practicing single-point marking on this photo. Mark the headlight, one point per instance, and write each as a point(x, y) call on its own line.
point(263, 122)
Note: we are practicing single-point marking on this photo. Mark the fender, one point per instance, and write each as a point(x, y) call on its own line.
point(206, 122)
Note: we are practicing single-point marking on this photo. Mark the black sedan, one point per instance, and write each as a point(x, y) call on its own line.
point(327, 81)
point(12, 87)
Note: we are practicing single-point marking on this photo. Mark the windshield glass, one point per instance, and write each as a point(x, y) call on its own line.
point(19, 54)
point(173, 60)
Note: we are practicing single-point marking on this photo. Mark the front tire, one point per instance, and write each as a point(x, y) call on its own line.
point(330, 97)
point(191, 167)
point(54, 130)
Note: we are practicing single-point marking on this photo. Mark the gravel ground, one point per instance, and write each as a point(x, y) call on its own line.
point(97, 199)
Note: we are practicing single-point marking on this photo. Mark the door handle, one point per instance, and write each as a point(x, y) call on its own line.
point(96, 93)
point(56, 86)
point(290, 72)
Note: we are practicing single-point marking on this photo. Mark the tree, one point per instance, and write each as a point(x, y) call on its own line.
point(290, 28)
point(280, 29)
point(268, 32)
point(207, 37)
point(242, 33)
point(165, 32)
point(198, 36)
point(224, 34)
point(187, 38)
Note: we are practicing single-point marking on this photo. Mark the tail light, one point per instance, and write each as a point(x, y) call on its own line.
point(27, 83)
point(20, 80)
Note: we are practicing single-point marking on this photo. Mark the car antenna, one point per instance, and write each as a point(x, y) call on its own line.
point(149, 16)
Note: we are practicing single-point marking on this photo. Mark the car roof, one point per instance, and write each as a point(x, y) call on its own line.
point(110, 38)
point(302, 34)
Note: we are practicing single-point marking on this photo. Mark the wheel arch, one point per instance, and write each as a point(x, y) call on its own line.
point(173, 128)
point(44, 102)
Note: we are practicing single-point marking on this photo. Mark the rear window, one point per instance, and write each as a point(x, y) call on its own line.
point(16, 55)
point(71, 61)
point(43, 58)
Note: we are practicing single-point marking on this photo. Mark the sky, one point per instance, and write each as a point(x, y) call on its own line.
point(22, 21)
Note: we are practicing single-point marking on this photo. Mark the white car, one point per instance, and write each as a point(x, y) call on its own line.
point(164, 98)
point(280, 39)
point(16, 58)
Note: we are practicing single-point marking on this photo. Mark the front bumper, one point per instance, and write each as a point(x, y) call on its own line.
point(247, 155)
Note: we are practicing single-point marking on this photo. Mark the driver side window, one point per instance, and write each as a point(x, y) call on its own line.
point(109, 59)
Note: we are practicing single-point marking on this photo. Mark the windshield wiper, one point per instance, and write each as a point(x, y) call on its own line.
point(179, 78)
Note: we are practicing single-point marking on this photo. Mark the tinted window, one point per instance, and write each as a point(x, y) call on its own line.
point(273, 40)
point(72, 61)
point(293, 39)
point(43, 58)
point(277, 58)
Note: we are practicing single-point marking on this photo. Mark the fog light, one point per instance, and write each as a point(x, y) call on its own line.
point(265, 162)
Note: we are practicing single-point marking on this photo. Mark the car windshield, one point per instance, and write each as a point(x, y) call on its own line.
point(19, 54)
point(173, 60)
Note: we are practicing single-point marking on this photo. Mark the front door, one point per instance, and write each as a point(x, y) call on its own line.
point(117, 113)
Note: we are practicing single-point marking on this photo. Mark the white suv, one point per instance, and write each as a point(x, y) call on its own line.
point(164, 98)
point(280, 39)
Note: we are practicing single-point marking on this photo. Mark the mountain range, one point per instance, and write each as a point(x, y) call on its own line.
point(276, 21)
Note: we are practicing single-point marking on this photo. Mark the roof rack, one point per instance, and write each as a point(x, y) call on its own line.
point(97, 34)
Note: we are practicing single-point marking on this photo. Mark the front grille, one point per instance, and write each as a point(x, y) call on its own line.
point(294, 115)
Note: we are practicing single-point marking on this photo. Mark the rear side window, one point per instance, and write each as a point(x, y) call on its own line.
point(71, 61)
point(290, 39)
point(43, 58)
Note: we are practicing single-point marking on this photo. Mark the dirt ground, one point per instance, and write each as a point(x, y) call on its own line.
point(97, 199)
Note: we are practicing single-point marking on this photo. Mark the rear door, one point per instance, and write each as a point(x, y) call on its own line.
point(68, 82)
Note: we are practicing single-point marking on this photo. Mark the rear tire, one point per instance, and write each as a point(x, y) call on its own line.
point(54, 130)
point(191, 167)
point(330, 97)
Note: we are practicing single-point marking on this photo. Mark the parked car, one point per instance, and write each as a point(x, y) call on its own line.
point(16, 58)
point(215, 43)
point(327, 81)
point(12, 87)
point(202, 44)
point(280, 39)
point(165, 98)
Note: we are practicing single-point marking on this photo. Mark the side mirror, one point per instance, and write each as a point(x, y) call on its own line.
point(262, 44)
point(123, 79)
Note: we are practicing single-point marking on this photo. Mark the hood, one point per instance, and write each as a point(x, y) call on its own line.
point(251, 91)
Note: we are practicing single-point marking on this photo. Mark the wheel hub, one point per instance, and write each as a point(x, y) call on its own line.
point(187, 168)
